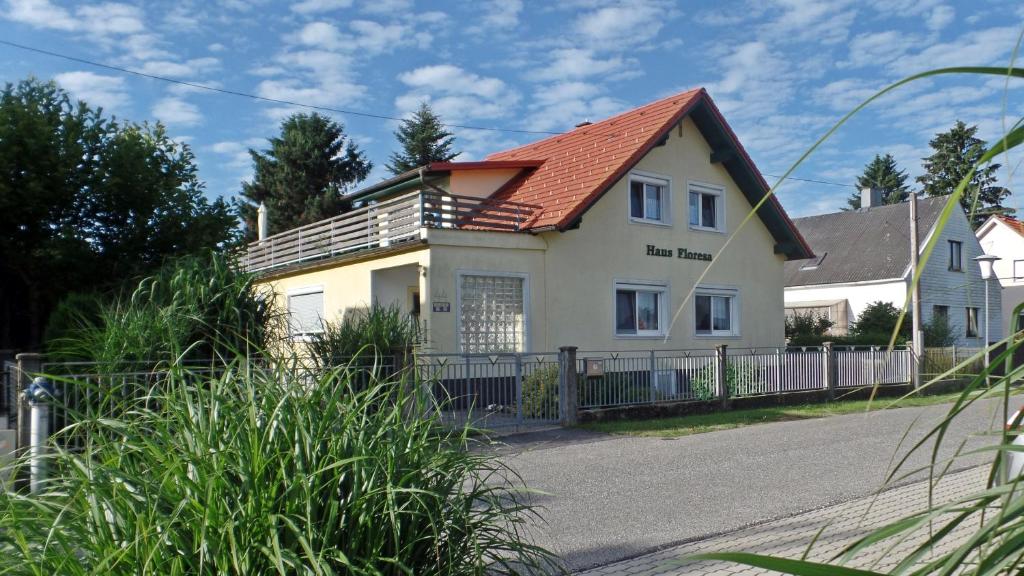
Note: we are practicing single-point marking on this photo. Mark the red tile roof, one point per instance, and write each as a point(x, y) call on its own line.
point(1013, 223)
point(582, 164)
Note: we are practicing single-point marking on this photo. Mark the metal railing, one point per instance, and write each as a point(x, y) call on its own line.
point(957, 361)
point(613, 379)
point(493, 390)
point(382, 225)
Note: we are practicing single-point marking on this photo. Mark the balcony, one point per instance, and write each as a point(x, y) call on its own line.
point(383, 225)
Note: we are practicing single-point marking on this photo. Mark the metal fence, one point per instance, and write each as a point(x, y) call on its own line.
point(493, 390)
point(954, 361)
point(610, 379)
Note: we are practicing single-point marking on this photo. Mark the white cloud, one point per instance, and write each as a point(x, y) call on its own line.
point(189, 68)
point(450, 79)
point(107, 92)
point(364, 36)
point(629, 24)
point(176, 112)
point(561, 106)
point(502, 14)
point(879, 48)
point(578, 63)
point(386, 7)
point(990, 46)
point(333, 92)
point(317, 6)
point(237, 151)
point(820, 21)
point(41, 14)
point(940, 17)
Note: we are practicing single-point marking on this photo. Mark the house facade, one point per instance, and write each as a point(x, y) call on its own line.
point(1003, 236)
point(863, 256)
point(608, 237)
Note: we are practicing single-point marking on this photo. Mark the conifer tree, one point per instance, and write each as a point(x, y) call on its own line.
point(955, 153)
point(423, 139)
point(883, 173)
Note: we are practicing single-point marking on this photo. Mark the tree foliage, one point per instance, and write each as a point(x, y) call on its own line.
point(955, 153)
point(878, 320)
point(304, 175)
point(423, 139)
point(86, 201)
point(882, 173)
point(807, 328)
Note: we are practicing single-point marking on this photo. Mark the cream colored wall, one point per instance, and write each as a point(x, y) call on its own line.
point(585, 263)
point(349, 287)
point(571, 275)
point(480, 183)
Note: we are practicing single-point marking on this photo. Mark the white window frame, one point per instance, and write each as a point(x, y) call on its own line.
point(666, 198)
point(662, 289)
point(304, 291)
point(705, 188)
point(458, 302)
point(1018, 270)
point(731, 292)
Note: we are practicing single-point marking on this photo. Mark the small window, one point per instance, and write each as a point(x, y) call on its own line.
point(306, 313)
point(1018, 269)
point(972, 322)
point(706, 208)
point(940, 312)
point(715, 313)
point(639, 310)
point(649, 199)
point(956, 263)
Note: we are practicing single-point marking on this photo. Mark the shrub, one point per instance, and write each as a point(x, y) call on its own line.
point(739, 381)
point(198, 307)
point(257, 472)
point(540, 393)
point(801, 327)
point(877, 322)
point(375, 331)
point(938, 333)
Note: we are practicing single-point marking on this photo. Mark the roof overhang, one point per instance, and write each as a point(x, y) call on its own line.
point(412, 178)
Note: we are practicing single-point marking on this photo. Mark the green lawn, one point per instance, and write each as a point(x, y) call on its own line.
point(700, 423)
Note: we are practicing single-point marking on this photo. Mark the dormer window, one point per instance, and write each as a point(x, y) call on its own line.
point(649, 199)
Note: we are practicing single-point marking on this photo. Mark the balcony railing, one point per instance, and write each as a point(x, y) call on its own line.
point(383, 225)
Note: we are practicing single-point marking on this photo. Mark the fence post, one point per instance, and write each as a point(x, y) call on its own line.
point(654, 371)
point(519, 389)
point(721, 382)
point(954, 362)
point(830, 370)
point(779, 362)
point(874, 366)
point(569, 388)
point(29, 364)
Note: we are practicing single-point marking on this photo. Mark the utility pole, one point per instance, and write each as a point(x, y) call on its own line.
point(915, 297)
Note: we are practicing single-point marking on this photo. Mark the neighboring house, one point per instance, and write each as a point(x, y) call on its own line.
point(593, 238)
point(1004, 237)
point(863, 256)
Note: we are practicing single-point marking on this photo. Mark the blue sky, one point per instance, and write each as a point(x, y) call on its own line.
point(782, 71)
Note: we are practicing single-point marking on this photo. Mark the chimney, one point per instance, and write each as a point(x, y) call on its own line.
point(261, 221)
point(870, 197)
point(584, 123)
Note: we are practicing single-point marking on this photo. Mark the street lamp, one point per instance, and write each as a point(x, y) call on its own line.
point(985, 262)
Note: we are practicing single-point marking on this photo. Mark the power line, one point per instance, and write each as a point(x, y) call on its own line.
point(310, 106)
point(252, 96)
point(814, 181)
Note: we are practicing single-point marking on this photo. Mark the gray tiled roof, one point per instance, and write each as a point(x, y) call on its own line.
point(860, 245)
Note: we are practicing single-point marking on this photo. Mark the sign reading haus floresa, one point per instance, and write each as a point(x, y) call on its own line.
point(563, 242)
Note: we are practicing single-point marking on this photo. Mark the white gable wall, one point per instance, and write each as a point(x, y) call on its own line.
point(997, 238)
point(858, 296)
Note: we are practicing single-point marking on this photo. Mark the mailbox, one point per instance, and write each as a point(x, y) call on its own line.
point(594, 367)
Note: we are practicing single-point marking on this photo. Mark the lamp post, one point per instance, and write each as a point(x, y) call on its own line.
point(985, 262)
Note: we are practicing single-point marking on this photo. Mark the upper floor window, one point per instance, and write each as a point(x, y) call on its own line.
point(956, 261)
point(707, 207)
point(649, 199)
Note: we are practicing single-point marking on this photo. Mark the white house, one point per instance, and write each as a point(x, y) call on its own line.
point(863, 256)
point(597, 238)
point(1003, 236)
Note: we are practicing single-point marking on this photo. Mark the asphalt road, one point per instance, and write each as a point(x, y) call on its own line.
point(613, 497)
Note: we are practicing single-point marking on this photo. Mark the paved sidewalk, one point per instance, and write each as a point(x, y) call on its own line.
point(789, 537)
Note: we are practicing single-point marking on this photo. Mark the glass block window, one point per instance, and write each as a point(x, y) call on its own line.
point(492, 314)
